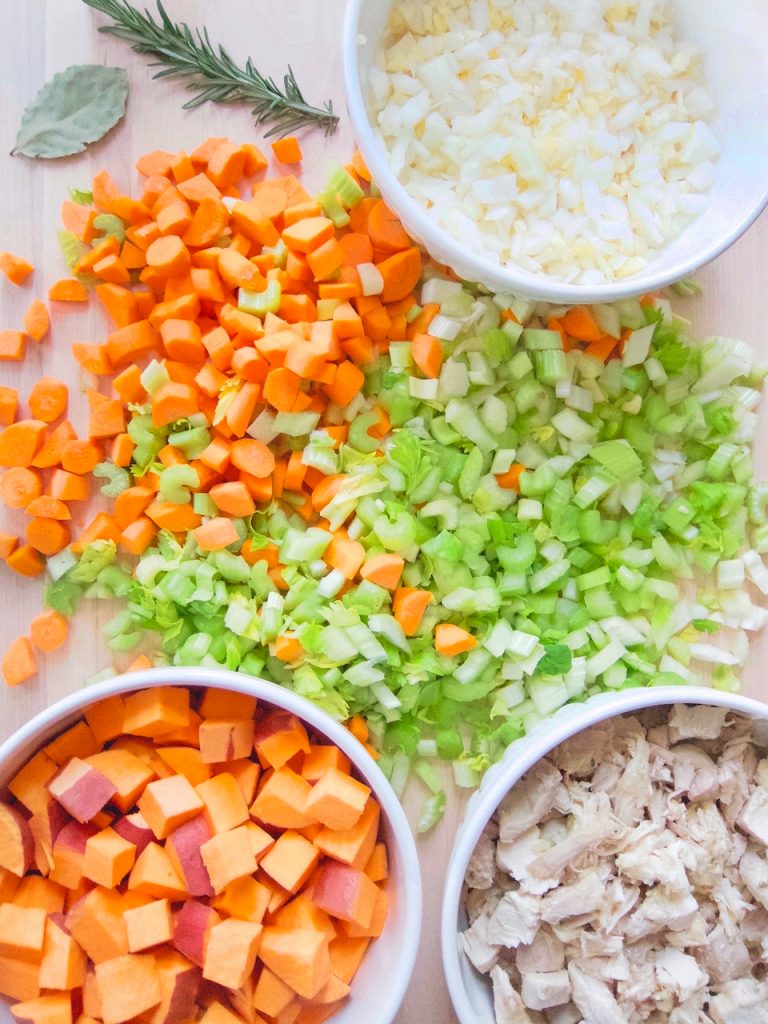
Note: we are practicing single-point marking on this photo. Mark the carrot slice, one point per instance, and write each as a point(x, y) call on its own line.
point(287, 150)
point(19, 662)
point(19, 486)
point(408, 607)
point(48, 536)
point(68, 290)
point(16, 269)
point(36, 321)
point(12, 345)
point(386, 232)
point(451, 640)
point(48, 631)
point(48, 399)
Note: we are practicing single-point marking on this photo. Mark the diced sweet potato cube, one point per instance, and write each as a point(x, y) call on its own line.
point(228, 856)
point(320, 759)
point(81, 790)
point(179, 986)
point(278, 896)
point(16, 843)
point(337, 800)
point(53, 1008)
point(278, 737)
point(128, 986)
point(108, 858)
point(218, 703)
point(30, 784)
point(191, 928)
point(35, 891)
point(271, 995)
point(96, 923)
point(378, 920)
point(245, 899)
point(134, 828)
point(90, 995)
point(149, 925)
point(301, 912)
point(127, 773)
point(154, 875)
point(352, 846)
point(19, 979)
point(225, 806)
point(231, 953)
point(346, 956)
point(225, 739)
point(9, 885)
point(377, 867)
point(188, 733)
point(45, 826)
point(298, 956)
point(145, 751)
point(246, 773)
point(290, 861)
point(346, 893)
point(183, 847)
point(78, 741)
point(69, 854)
point(168, 803)
point(186, 761)
point(218, 1013)
point(22, 932)
point(106, 718)
point(63, 963)
point(333, 992)
point(157, 711)
point(261, 840)
point(281, 800)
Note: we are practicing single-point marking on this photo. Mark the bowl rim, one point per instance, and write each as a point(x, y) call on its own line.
point(410, 896)
point(510, 279)
point(519, 758)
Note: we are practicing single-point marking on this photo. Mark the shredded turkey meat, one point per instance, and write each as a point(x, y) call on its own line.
point(624, 879)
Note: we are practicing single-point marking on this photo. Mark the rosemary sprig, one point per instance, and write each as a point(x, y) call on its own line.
point(210, 71)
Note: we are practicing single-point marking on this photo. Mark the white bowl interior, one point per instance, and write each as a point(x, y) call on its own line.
point(380, 984)
point(733, 48)
point(470, 991)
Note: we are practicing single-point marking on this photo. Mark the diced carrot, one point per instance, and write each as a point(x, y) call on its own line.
point(112, 270)
point(20, 442)
point(107, 417)
point(93, 358)
point(579, 323)
point(19, 486)
point(427, 353)
point(68, 487)
point(168, 255)
point(138, 535)
point(48, 399)
point(19, 662)
point(451, 640)
point(132, 256)
point(215, 534)
point(67, 289)
point(9, 405)
point(401, 273)
point(408, 607)
point(48, 536)
point(306, 235)
point(119, 303)
point(16, 269)
point(156, 162)
point(26, 561)
point(128, 343)
point(347, 381)
point(288, 648)
point(385, 230)
point(287, 150)
point(48, 507)
point(173, 402)
point(48, 631)
point(8, 543)
point(12, 345)
point(36, 321)
point(208, 222)
point(510, 480)
point(602, 348)
point(128, 385)
point(121, 451)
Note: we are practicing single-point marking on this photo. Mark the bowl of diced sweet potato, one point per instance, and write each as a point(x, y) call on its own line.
point(180, 845)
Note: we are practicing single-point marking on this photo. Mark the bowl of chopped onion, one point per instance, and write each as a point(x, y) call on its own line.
point(569, 152)
point(612, 867)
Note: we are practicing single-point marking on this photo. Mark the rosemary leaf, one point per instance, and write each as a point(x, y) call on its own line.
point(211, 73)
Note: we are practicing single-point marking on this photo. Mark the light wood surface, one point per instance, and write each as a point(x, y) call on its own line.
point(41, 37)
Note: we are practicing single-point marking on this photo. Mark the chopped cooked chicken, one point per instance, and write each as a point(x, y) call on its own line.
point(482, 866)
point(529, 801)
point(696, 721)
point(624, 879)
point(515, 920)
point(594, 998)
point(542, 990)
point(754, 815)
point(545, 953)
point(481, 952)
point(507, 1004)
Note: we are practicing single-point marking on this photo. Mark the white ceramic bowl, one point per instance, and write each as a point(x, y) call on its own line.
point(734, 47)
point(470, 991)
point(380, 984)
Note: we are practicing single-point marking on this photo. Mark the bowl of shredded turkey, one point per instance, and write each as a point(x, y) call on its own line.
point(613, 869)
